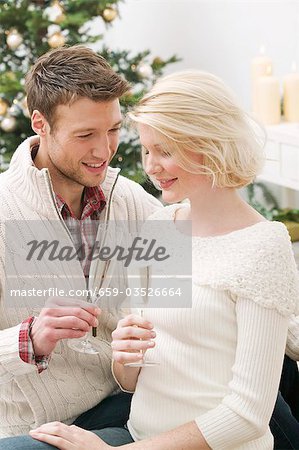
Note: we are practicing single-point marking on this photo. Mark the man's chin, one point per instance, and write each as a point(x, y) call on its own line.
point(95, 181)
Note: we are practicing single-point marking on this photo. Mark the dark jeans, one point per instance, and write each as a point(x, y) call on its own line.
point(111, 412)
point(115, 436)
point(284, 423)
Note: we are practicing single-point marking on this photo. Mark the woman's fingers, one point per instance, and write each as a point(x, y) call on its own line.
point(124, 358)
point(131, 345)
point(133, 319)
point(133, 332)
point(132, 337)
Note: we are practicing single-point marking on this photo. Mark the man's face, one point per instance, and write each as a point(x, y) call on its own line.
point(82, 142)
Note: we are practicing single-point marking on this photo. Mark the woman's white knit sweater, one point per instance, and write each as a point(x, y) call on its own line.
point(221, 359)
point(73, 382)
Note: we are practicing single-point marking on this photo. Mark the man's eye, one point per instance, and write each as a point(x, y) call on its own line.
point(84, 135)
point(114, 130)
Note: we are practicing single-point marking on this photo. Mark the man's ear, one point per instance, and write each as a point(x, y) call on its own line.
point(38, 123)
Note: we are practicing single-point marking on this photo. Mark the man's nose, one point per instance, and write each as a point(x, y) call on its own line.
point(101, 148)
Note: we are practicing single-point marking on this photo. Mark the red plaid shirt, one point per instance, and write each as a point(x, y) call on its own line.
point(83, 232)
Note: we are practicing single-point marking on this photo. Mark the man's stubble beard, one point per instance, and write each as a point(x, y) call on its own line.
point(70, 175)
point(65, 174)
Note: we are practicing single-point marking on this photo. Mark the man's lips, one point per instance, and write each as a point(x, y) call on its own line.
point(95, 167)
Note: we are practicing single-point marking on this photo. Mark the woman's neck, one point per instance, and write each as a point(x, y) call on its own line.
point(220, 211)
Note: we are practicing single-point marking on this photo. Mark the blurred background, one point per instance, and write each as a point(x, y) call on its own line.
point(250, 44)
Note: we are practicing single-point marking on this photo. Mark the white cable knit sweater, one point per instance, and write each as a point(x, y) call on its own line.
point(74, 382)
point(221, 360)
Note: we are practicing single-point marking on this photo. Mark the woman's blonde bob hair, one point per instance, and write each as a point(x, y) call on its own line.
point(194, 112)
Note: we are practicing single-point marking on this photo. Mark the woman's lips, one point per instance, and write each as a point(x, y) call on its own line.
point(165, 184)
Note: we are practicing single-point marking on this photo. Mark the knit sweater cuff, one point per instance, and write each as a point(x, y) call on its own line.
point(292, 349)
point(223, 429)
point(9, 353)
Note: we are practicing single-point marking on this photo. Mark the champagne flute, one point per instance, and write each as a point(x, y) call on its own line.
point(86, 344)
point(141, 277)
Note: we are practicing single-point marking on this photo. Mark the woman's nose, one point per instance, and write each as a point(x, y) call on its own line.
point(152, 165)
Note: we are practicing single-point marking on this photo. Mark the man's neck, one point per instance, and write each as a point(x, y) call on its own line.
point(73, 198)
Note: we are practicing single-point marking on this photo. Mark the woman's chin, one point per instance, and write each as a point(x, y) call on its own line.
point(170, 197)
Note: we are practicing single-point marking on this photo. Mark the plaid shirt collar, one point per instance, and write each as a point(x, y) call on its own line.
point(93, 203)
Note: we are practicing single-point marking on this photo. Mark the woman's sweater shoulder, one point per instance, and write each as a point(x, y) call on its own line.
point(256, 262)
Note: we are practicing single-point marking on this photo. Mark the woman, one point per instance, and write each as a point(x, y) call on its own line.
point(198, 144)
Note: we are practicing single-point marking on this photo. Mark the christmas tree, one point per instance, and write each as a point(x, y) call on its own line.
point(30, 28)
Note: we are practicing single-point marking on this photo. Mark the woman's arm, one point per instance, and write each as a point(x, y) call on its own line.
point(245, 411)
point(292, 348)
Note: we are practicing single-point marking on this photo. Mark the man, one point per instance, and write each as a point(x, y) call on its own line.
point(62, 176)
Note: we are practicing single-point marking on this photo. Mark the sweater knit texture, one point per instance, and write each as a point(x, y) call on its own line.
point(73, 382)
point(221, 359)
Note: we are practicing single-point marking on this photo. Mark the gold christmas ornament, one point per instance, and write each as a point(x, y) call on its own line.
point(8, 124)
point(109, 14)
point(56, 40)
point(14, 39)
point(55, 12)
point(3, 107)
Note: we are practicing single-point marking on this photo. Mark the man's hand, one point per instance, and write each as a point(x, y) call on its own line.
point(65, 318)
point(66, 437)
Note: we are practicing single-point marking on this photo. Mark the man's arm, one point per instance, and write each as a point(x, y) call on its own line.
point(185, 437)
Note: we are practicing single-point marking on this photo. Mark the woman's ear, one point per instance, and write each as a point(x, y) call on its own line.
point(39, 123)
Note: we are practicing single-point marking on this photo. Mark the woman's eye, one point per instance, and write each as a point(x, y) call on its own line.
point(114, 130)
point(165, 154)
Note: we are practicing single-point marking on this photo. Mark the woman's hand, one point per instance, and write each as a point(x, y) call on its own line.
point(67, 437)
point(132, 335)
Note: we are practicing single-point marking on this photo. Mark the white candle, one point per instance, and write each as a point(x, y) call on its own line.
point(291, 96)
point(268, 100)
point(260, 66)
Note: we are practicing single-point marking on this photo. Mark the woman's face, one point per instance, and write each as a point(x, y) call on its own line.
point(175, 182)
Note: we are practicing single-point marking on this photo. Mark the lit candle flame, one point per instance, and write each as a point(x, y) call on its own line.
point(269, 70)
